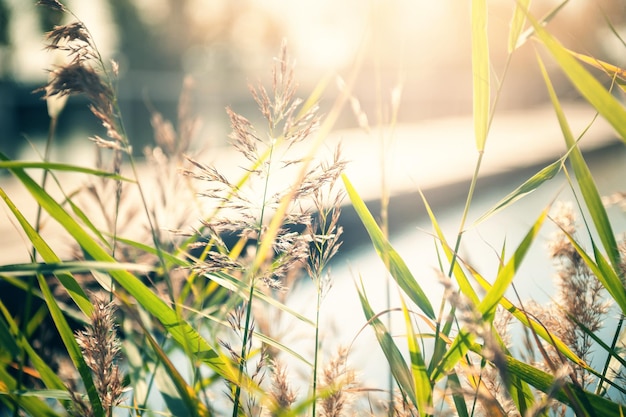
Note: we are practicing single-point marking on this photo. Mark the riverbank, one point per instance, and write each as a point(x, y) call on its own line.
point(436, 156)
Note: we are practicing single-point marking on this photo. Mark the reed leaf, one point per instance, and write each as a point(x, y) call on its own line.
point(30, 269)
point(180, 329)
point(67, 280)
point(421, 381)
point(32, 405)
point(545, 174)
point(517, 24)
point(480, 72)
point(55, 166)
point(396, 265)
point(397, 365)
point(593, 404)
point(590, 88)
point(585, 180)
point(487, 306)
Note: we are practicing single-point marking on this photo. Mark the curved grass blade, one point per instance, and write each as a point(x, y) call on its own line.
point(517, 24)
point(33, 406)
point(180, 329)
point(395, 359)
point(581, 170)
point(397, 267)
point(29, 269)
point(421, 381)
point(54, 166)
point(187, 398)
point(487, 306)
point(480, 72)
point(535, 327)
point(67, 280)
point(530, 185)
point(595, 405)
point(610, 69)
point(590, 88)
point(12, 340)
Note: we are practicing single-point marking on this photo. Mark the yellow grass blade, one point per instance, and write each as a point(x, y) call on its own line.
point(480, 71)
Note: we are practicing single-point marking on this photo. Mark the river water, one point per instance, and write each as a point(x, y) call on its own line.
point(343, 321)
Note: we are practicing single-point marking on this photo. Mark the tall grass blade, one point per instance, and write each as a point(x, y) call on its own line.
point(517, 24)
point(12, 341)
point(535, 327)
point(595, 404)
point(186, 398)
point(55, 166)
point(480, 72)
point(67, 280)
point(590, 88)
point(487, 306)
point(397, 267)
point(530, 185)
point(83, 267)
point(586, 183)
point(33, 406)
point(396, 362)
point(421, 381)
point(180, 329)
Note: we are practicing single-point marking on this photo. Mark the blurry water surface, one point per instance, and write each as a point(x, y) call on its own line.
point(342, 314)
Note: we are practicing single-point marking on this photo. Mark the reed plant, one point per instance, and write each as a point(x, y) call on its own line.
point(174, 301)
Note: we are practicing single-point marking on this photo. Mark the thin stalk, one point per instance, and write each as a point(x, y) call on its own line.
point(251, 275)
point(317, 342)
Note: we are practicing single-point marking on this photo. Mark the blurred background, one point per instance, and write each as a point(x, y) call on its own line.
point(226, 44)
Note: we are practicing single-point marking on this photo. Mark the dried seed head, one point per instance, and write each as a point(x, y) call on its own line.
point(62, 35)
point(101, 348)
point(52, 4)
point(281, 392)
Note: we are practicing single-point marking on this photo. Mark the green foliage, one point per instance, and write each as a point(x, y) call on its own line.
point(220, 305)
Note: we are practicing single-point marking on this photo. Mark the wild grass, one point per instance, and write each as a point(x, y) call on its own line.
point(174, 301)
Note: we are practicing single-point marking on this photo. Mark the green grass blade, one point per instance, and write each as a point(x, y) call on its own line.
point(595, 405)
point(395, 359)
point(67, 280)
point(33, 406)
point(487, 306)
point(590, 88)
point(535, 327)
point(480, 72)
point(464, 284)
point(5, 163)
point(517, 23)
point(397, 267)
point(421, 382)
point(460, 405)
point(72, 347)
point(530, 185)
point(30, 269)
point(180, 329)
point(583, 174)
point(12, 340)
point(187, 398)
